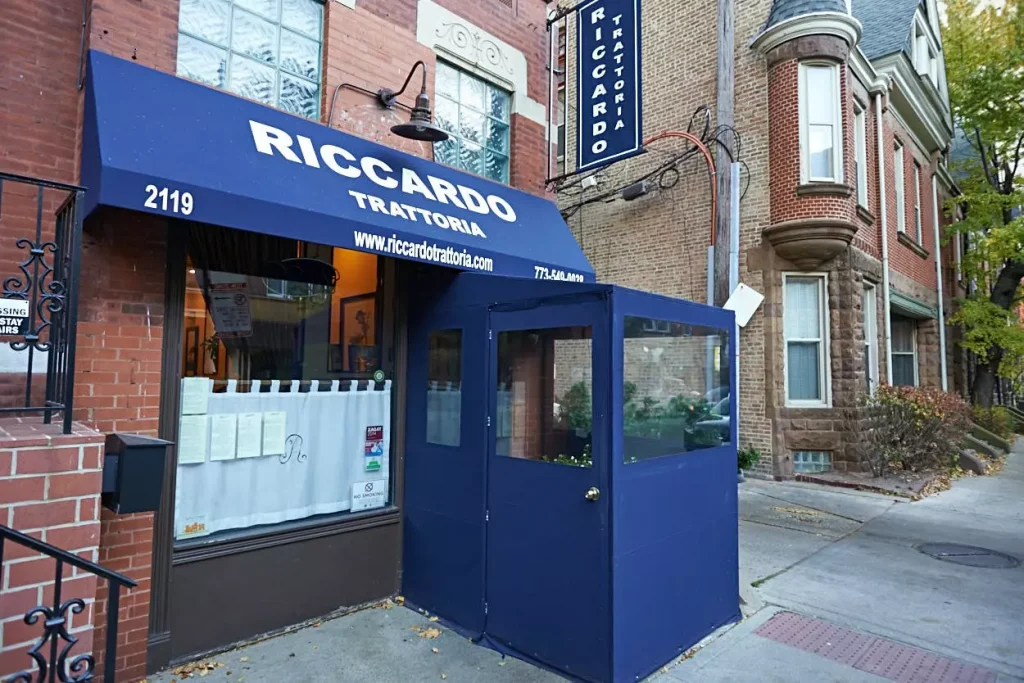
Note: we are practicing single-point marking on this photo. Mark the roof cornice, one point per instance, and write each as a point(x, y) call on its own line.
point(864, 71)
point(913, 103)
point(837, 24)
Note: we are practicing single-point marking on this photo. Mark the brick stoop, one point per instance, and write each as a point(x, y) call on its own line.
point(50, 486)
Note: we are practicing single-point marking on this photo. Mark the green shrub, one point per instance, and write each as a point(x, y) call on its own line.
point(996, 419)
point(748, 457)
point(914, 429)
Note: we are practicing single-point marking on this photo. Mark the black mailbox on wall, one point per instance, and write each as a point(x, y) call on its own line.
point(133, 472)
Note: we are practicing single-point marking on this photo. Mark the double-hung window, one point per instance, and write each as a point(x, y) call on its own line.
point(917, 201)
point(821, 130)
point(860, 141)
point(476, 116)
point(870, 338)
point(264, 50)
point(805, 319)
point(899, 178)
point(904, 351)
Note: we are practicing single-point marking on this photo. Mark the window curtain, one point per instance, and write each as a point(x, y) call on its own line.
point(803, 322)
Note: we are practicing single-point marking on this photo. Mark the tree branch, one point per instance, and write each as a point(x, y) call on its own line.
point(1016, 161)
point(984, 161)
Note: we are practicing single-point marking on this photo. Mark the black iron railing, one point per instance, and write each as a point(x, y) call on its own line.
point(46, 279)
point(52, 651)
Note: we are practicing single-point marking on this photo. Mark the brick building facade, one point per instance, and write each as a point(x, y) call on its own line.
point(49, 482)
point(848, 258)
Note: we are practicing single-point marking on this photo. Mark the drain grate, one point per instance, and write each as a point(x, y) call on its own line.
point(969, 555)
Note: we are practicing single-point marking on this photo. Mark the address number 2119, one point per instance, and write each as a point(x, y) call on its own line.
point(173, 200)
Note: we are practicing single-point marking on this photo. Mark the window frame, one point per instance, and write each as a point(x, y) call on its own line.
point(917, 203)
point(456, 135)
point(900, 185)
point(824, 359)
point(913, 345)
point(860, 143)
point(276, 66)
point(804, 125)
point(870, 312)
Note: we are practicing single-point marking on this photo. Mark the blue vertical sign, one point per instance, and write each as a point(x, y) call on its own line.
point(608, 101)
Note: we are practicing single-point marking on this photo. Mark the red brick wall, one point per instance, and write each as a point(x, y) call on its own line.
point(364, 50)
point(901, 257)
point(868, 237)
point(121, 299)
point(117, 388)
point(49, 489)
point(374, 45)
point(784, 150)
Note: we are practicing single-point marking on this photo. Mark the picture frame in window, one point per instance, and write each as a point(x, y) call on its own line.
point(357, 326)
point(191, 351)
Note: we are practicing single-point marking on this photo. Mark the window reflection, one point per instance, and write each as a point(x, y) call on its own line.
point(545, 385)
point(444, 387)
point(261, 307)
point(675, 388)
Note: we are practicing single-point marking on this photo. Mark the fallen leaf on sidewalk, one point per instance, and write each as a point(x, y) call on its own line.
point(434, 650)
point(433, 618)
point(430, 633)
point(244, 659)
point(400, 600)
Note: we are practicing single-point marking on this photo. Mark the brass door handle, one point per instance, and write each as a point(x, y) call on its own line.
point(592, 494)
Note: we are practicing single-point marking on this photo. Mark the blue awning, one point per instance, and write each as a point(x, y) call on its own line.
point(157, 143)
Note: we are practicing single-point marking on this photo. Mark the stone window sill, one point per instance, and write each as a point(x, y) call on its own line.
point(865, 215)
point(907, 241)
point(831, 189)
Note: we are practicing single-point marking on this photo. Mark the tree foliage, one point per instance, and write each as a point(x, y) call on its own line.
point(984, 49)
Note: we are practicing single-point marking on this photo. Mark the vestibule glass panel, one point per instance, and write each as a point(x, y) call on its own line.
point(280, 418)
point(675, 388)
point(444, 387)
point(545, 389)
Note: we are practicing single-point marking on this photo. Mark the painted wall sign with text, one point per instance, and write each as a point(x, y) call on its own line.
point(608, 93)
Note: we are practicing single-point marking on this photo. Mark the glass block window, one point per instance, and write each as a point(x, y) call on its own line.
point(809, 462)
point(264, 50)
point(476, 116)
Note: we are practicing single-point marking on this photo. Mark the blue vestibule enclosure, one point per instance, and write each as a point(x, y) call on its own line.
point(570, 470)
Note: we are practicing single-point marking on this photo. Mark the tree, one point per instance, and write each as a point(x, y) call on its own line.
point(984, 48)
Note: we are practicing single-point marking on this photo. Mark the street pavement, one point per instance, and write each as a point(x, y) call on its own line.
point(842, 562)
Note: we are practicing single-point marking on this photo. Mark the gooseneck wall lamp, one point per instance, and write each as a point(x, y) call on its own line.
point(420, 126)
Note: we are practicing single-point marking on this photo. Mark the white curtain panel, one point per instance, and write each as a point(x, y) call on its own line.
point(802, 308)
point(324, 456)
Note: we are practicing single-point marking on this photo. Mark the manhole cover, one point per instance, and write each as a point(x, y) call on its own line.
point(969, 555)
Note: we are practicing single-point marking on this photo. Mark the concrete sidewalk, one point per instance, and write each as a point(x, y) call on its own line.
point(846, 558)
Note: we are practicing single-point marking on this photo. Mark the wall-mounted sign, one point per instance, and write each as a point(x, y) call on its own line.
point(229, 304)
point(608, 91)
point(13, 314)
point(367, 495)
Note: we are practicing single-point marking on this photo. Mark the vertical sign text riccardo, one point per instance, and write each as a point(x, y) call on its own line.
point(608, 93)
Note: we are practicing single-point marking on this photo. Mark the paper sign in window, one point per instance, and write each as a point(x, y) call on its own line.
point(192, 439)
point(195, 395)
point(274, 432)
point(250, 435)
point(223, 436)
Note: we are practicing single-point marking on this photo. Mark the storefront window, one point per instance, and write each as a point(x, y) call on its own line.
point(544, 401)
point(444, 388)
point(280, 417)
point(675, 388)
point(263, 50)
